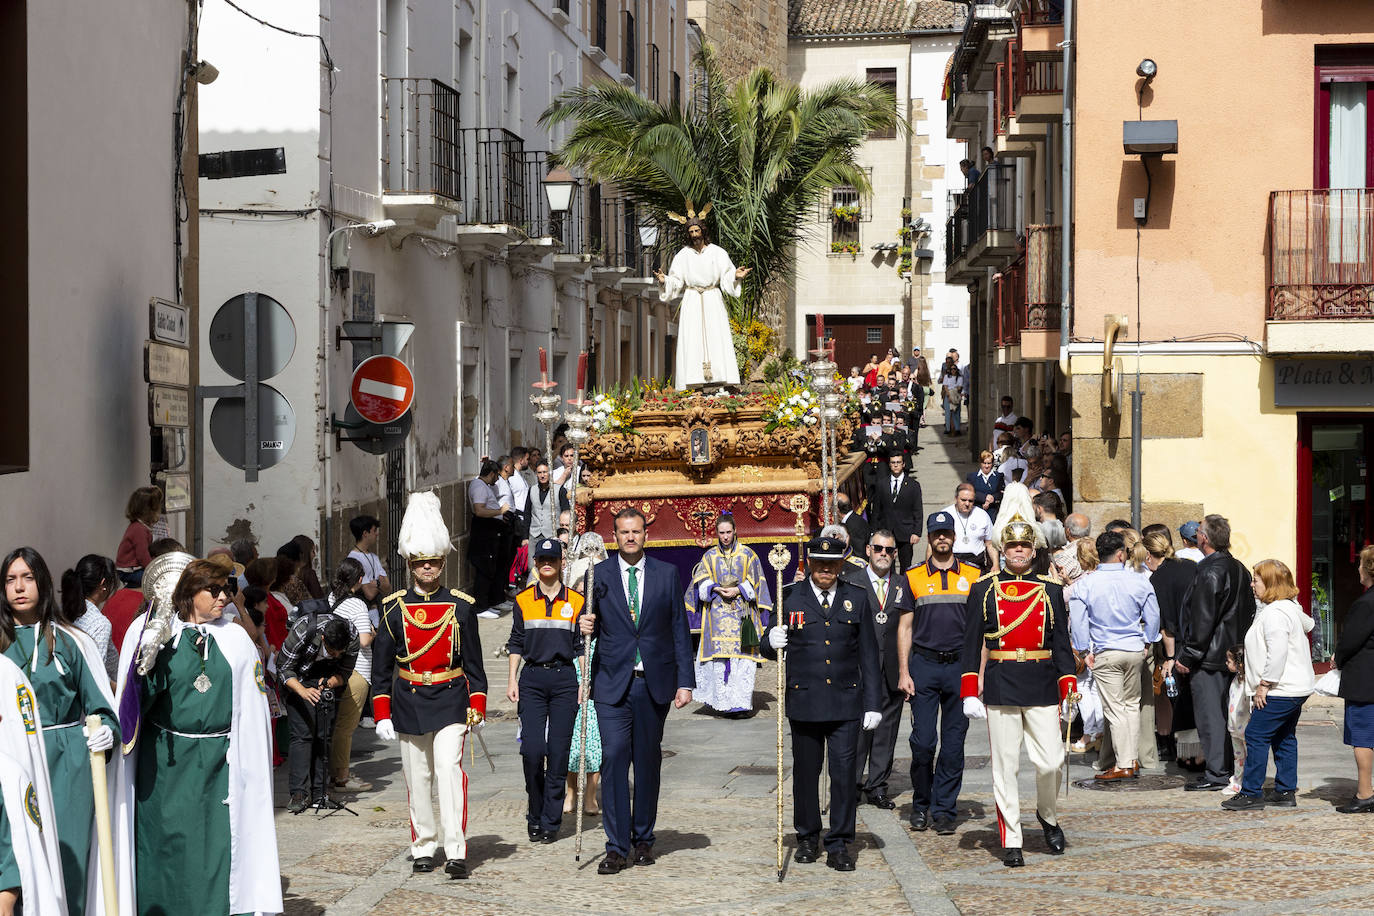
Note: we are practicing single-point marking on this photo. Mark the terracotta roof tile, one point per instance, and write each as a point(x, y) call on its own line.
point(869, 17)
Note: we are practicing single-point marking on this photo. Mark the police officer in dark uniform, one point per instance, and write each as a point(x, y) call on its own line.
point(930, 645)
point(544, 632)
point(833, 688)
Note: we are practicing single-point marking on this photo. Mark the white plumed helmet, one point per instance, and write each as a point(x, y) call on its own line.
point(423, 532)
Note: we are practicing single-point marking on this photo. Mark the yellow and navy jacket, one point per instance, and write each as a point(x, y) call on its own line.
point(544, 631)
point(941, 605)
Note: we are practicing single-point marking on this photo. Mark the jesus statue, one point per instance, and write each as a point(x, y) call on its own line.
point(700, 273)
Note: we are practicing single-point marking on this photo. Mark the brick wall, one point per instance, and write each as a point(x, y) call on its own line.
point(746, 33)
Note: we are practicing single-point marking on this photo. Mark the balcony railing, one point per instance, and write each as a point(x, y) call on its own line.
point(1020, 76)
point(1043, 292)
point(422, 149)
point(495, 177)
point(1321, 254)
point(1043, 12)
point(613, 237)
point(1010, 314)
point(988, 206)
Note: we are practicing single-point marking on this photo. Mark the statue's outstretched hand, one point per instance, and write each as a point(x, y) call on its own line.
point(658, 275)
point(742, 272)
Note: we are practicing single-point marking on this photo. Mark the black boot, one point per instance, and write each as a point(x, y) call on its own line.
point(1165, 744)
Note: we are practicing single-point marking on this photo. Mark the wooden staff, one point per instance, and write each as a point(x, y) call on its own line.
point(103, 835)
point(778, 558)
point(584, 691)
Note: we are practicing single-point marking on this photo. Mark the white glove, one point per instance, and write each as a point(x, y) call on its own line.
point(777, 637)
point(974, 708)
point(871, 720)
point(385, 730)
point(479, 724)
point(1065, 709)
point(102, 739)
point(151, 637)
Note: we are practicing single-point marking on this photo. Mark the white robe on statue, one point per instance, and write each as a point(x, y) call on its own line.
point(705, 347)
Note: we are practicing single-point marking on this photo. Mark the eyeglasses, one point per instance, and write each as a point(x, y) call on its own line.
point(879, 548)
point(216, 590)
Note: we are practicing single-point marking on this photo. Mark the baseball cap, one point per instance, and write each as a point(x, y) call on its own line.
point(1188, 530)
point(549, 547)
point(940, 521)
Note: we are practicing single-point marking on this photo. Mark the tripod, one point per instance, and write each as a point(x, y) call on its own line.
point(326, 711)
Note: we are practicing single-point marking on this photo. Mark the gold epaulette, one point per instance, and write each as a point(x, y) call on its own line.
point(987, 575)
point(463, 595)
point(856, 561)
point(394, 596)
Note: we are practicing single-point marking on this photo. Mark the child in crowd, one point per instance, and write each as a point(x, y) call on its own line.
point(1237, 713)
point(143, 511)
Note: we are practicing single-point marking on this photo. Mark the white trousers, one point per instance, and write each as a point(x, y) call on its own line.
point(437, 757)
point(1045, 748)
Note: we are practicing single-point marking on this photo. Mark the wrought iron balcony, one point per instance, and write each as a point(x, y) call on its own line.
point(421, 150)
point(1321, 254)
point(1010, 309)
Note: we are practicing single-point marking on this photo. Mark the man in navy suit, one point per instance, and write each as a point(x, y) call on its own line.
point(643, 662)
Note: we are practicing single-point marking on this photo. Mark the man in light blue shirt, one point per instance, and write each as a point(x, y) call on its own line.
point(1114, 618)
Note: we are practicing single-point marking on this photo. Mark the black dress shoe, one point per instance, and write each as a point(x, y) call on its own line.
point(944, 826)
point(548, 835)
point(423, 864)
point(613, 864)
point(881, 801)
point(456, 869)
point(535, 831)
point(1054, 836)
point(1278, 799)
point(808, 851)
point(1206, 785)
point(1012, 858)
point(644, 854)
point(920, 820)
point(840, 861)
point(1357, 805)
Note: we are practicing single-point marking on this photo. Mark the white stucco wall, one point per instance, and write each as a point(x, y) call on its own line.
point(102, 81)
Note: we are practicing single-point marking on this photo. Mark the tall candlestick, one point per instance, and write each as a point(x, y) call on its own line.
point(581, 374)
point(543, 365)
point(820, 331)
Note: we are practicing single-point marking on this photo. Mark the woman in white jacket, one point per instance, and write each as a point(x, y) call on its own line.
point(1278, 675)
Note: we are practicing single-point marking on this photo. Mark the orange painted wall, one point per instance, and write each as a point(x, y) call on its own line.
point(1238, 77)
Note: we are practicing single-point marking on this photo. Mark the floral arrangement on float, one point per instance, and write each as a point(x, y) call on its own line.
point(790, 403)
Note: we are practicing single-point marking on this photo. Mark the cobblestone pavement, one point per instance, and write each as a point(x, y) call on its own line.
point(1163, 851)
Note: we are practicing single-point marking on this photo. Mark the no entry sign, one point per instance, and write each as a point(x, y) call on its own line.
point(383, 389)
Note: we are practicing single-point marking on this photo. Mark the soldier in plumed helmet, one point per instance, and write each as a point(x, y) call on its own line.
point(429, 686)
point(1018, 637)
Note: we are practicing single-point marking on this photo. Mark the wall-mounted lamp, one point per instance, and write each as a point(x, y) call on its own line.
point(1147, 69)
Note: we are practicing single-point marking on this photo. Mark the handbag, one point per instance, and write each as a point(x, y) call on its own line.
point(1329, 684)
point(748, 635)
point(1159, 679)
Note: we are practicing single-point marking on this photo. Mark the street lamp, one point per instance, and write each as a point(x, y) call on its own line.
point(559, 186)
point(648, 235)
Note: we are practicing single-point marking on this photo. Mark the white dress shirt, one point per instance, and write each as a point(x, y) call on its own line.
point(625, 586)
point(822, 593)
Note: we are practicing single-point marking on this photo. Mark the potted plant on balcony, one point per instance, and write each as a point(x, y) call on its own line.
point(846, 213)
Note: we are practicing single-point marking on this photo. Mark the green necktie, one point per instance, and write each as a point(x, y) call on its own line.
point(634, 603)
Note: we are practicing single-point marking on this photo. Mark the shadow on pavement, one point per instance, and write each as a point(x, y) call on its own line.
point(1337, 791)
point(489, 848)
point(666, 841)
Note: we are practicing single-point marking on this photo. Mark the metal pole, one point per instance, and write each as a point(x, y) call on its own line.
point(584, 699)
point(778, 557)
point(1136, 397)
point(250, 387)
point(1066, 198)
